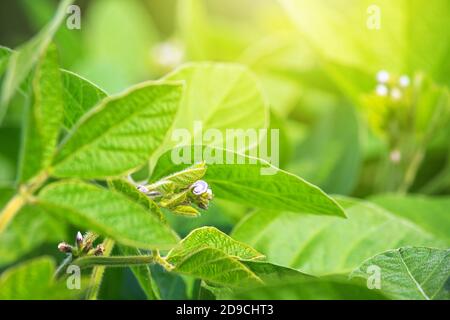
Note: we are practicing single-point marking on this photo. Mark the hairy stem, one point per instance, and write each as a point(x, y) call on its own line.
point(63, 266)
point(119, 261)
point(10, 210)
point(97, 273)
point(17, 202)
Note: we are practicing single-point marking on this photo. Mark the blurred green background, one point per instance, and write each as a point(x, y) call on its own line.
point(317, 62)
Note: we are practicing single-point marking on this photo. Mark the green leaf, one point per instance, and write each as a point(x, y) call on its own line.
point(33, 280)
point(31, 228)
point(430, 213)
point(23, 60)
point(143, 274)
point(331, 155)
point(251, 181)
point(44, 116)
point(129, 190)
point(328, 245)
point(219, 96)
point(270, 273)
point(119, 134)
point(80, 95)
point(217, 267)
point(107, 212)
point(309, 289)
point(415, 273)
point(5, 53)
point(211, 255)
point(209, 237)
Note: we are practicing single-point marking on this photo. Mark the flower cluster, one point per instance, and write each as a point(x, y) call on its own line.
point(391, 86)
point(181, 192)
point(83, 246)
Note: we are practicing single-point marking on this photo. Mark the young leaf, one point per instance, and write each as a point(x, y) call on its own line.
point(107, 212)
point(80, 95)
point(23, 60)
point(411, 273)
point(44, 116)
point(120, 134)
point(327, 245)
point(220, 96)
point(216, 266)
point(309, 289)
point(129, 190)
point(209, 237)
point(32, 228)
point(246, 183)
point(33, 280)
point(211, 255)
point(143, 274)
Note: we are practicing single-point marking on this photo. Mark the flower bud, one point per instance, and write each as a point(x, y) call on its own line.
point(143, 189)
point(65, 247)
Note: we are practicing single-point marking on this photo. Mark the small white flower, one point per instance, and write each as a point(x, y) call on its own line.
point(382, 90)
point(396, 94)
point(382, 76)
point(199, 187)
point(404, 81)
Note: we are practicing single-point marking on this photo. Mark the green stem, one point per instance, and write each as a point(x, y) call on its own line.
point(18, 201)
point(411, 171)
point(119, 261)
point(97, 273)
point(63, 266)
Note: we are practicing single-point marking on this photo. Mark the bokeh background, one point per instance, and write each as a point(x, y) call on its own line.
point(317, 62)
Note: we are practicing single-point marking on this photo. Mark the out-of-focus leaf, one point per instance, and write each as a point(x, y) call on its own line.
point(118, 37)
point(33, 280)
point(430, 213)
point(44, 116)
point(10, 138)
point(328, 245)
point(23, 60)
point(119, 134)
point(107, 212)
point(5, 53)
point(331, 156)
point(344, 32)
point(31, 228)
point(309, 289)
point(218, 96)
point(411, 273)
point(252, 182)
